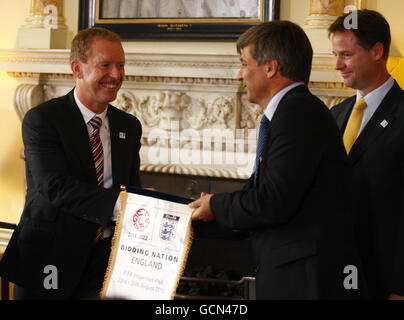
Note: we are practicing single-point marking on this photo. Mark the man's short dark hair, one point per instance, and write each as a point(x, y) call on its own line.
point(372, 27)
point(283, 41)
point(84, 38)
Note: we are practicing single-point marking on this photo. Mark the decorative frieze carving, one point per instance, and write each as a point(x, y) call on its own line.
point(26, 96)
point(251, 114)
point(195, 116)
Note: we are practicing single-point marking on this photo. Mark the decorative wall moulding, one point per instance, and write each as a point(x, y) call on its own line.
point(195, 116)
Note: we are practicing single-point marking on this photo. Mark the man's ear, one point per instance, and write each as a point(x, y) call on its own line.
point(76, 67)
point(271, 68)
point(378, 50)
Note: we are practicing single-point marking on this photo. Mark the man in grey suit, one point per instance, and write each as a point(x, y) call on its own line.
point(79, 151)
point(375, 147)
point(296, 206)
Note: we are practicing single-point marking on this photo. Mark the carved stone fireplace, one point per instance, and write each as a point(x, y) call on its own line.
point(195, 117)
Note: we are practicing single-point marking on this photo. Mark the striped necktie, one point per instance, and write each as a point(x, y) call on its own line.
point(96, 146)
point(260, 144)
point(354, 124)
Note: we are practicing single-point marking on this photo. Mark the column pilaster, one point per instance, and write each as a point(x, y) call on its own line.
point(322, 14)
point(45, 27)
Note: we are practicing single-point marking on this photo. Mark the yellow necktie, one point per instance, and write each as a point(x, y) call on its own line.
point(354, 124)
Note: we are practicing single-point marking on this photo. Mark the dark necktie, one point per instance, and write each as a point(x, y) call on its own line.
point(96, 145)
point(260, 145)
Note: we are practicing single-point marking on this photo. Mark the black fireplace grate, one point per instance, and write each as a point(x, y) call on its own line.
point(206, 283)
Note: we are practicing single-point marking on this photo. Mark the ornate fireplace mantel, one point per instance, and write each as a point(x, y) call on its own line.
point(196, 120)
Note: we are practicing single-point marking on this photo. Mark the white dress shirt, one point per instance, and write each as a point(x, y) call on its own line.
point(106, 149)
point(104, 135)
point(373, 100)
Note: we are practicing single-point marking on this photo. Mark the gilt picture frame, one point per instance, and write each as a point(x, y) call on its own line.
point(177, 19)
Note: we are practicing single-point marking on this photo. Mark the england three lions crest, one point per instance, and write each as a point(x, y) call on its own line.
point(167, 229)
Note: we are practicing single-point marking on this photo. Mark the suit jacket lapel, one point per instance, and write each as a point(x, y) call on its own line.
point(78, 136)
point(297, 90)
point(118, 144)
point(343, 116)
point(380, 121)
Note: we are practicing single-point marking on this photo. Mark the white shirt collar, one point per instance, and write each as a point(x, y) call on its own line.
point(273, 104)
point(374, 98)
point(88, 114)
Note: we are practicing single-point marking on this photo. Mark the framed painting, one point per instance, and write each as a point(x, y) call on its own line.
point(177, 19)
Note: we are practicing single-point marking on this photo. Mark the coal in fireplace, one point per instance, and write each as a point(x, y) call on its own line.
point(220, 265)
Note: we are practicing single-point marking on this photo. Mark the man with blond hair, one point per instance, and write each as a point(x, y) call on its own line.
point(79, 150)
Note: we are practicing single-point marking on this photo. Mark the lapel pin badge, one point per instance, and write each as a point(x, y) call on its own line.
point(384, 123)
point(122, 135)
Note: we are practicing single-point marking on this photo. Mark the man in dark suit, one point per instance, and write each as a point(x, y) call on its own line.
point(79, 150)
point(375, 145)
point(296, 205)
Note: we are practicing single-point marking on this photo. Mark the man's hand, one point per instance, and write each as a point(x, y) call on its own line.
point(395, 297)
point(202, 208)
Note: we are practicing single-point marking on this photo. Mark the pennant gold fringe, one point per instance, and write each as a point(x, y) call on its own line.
point(123, 196)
